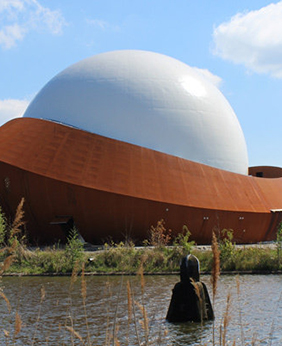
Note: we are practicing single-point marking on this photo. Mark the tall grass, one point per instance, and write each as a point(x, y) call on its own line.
point(145, 259)
point(12, 248)
point(215, 274)
point(124, 257)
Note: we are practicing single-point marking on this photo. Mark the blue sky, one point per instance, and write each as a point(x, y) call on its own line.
point(238, 44)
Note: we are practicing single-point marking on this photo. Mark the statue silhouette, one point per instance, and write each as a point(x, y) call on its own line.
point(190, 299)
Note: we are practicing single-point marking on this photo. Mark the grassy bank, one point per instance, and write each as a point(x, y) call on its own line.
point(126, 259)
point(154, 256)
point(159, 253)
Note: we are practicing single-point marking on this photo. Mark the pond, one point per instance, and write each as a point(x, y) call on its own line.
point(53, 312)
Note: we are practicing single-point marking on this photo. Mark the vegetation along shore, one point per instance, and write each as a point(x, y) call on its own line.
point(159, 253)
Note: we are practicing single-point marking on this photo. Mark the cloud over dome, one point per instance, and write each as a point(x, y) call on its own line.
point(11, 108)
point(253, 39)
point(19, 17)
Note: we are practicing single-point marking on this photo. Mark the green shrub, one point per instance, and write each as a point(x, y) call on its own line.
point(227, 250)
point(74, 250)
point(279, 244)
point(205, 258)
point(182, 240)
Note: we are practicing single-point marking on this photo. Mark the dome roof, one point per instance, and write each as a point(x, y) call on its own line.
point(147, 99)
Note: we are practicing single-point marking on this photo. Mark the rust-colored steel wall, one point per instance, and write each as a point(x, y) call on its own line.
point(116, 189)
point(266, 171)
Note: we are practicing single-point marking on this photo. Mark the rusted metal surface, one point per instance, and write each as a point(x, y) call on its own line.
point(114, 189)
point(266, 171)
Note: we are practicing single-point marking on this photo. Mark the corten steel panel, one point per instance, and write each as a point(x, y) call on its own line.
point(266, 171)
point(100, 215)
point(116, 189)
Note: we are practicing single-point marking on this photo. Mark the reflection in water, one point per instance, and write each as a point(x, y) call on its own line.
point(107, 310)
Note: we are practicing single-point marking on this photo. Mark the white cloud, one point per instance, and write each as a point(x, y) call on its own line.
point(9, 5)
point(253, 39)
point(102, 24)
point(10, 34)
point(214, 79)
point(11, 108)
point(18, 17)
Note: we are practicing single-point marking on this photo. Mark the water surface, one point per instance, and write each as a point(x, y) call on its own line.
point(255, 314)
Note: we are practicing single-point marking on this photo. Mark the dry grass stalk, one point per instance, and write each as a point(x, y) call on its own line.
point(216, 264)
point(254, 339)
point(129, 309)
point(6, 264)
point(75, 333)
point(2, 294)
point(134, 318)
point(198, 293)
point(84, 295)
point(129, 301)
point(43, 293)
point(115, 326)
point(108, 334)
point(83, 284)
point(72, 281)
point(18, 220)
point(159, 236)
point(18, 324)
point(240, 311)
point(215, 273)
point(74, 274)
point(226, 319)
point(144, 322)
point(142, 280)
point(42, 297)
point(115, 340)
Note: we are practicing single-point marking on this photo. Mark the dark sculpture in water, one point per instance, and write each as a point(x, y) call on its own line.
point(190, 299)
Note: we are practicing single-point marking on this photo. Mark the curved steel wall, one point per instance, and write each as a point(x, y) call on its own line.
point(266, 171)
point(116, 189)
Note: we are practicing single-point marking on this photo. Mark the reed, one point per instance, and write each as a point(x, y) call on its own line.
point(226, 320)
point(2, 294)
point(144, 322)
point(115, 324)
point(10, 251)
point(137, 315)
point(135, 308)
point(129, 309)
point(37, 323)
point(240, 311)
point(215, 274)
point(18, 221)
point(215, 265)
point(75, 334)
point(18, 325)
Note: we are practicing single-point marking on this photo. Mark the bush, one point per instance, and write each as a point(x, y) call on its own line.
point(227, 250)
point(74, 249)
point(159, 236)
point(183, 240)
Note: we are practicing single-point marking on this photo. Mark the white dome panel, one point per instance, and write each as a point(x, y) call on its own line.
point(147, 99)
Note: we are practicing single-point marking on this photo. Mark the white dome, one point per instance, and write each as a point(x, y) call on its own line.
point(150, 100)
